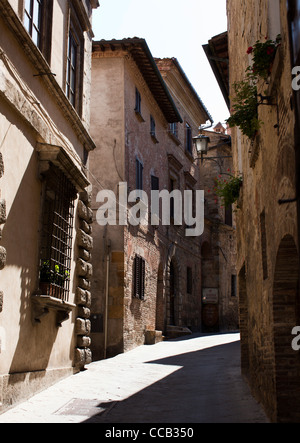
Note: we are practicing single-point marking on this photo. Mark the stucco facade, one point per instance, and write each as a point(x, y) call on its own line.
point(125, 103)
point(44, 143)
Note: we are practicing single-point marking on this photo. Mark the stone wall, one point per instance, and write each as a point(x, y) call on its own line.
point(267, 230)
point(84, 271)
point(2, 221)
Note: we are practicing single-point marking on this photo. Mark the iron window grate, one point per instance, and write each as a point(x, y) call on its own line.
point(57, 235)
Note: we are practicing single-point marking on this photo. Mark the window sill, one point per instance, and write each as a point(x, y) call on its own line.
point(43, 303)
point(154, 139)
point(189, 155)
point(139, 116)
point(174, 138)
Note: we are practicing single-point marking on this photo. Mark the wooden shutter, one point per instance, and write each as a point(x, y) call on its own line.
point(139, 277)
point(142, 279)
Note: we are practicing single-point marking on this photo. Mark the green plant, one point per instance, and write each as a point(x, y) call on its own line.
point(45, 272)
point(228, 189)
point(263, 55)
point(244, 112)
point(47, 275)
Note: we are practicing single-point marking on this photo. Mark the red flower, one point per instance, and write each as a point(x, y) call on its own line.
point(250, 50)
point(270, 50)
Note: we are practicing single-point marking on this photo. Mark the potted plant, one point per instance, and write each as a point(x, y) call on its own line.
point(244, 113)
point(52, 282)
point(263, 55)
point(46, 278)
point(229, 189)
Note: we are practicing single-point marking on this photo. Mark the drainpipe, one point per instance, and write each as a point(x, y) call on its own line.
point(108, 246)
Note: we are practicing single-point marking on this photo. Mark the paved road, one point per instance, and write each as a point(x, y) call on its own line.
point(190, 380)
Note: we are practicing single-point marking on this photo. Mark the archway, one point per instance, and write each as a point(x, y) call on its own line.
point(285, 318)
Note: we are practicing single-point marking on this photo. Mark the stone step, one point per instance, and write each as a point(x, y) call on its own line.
point(177, 331)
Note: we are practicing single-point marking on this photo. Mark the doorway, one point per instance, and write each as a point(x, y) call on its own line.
point(172, 316)
point(285, 318)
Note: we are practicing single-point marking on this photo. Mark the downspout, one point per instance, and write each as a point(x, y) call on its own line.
point(108, 247)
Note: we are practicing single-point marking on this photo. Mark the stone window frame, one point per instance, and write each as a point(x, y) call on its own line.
point(57, 156)
point(58, 216)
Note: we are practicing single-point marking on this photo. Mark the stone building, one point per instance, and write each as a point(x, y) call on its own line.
point(147, 278)
point(218, 242)
point(45, 76)
point(267, 221)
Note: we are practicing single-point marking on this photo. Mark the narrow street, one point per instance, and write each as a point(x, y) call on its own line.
point(195, 379)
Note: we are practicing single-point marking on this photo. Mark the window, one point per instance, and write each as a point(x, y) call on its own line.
point(71, 69)
point(57, 229)
point(173, 129)
point(154, 183)
point(139, 277)
point(33, 19)
point(152, 126)
point(74, 64)
point(139, 174)
point(189, 280)
point(188, 138)
point(137, 101)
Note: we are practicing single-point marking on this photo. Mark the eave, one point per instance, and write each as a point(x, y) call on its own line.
point(217, 54)
point(145, 62)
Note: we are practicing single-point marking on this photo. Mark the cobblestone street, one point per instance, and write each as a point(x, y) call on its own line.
point(190, 380)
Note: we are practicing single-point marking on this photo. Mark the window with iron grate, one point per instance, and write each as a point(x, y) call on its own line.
point(57, 230)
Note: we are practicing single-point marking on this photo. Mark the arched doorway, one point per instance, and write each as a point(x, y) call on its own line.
point(285, 318)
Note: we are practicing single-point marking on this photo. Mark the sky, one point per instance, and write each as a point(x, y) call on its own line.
point(171, 28)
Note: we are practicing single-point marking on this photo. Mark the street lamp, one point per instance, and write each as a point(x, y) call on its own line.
point(201, 144)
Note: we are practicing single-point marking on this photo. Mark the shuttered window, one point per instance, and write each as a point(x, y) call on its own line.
point(139, 277)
